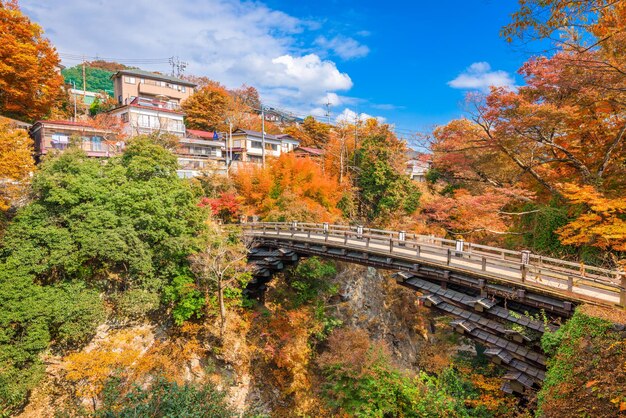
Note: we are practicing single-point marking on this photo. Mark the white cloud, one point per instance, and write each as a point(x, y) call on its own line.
point(308, 73)
point(344, 47)
point(231, 41)
point(479, 76)
point(350, 116)
point(330, 98)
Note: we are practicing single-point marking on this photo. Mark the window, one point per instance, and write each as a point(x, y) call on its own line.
point(256, 144)
point(143, 121)
point(154, 122)
point(60, 141)
point(124, 117)
point(129, 80)
point(183, 89)
point(272, 147)
point(96, 143)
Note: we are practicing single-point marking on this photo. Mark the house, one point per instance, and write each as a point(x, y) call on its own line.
point(280, 117)
point(131, 84)
point(14, 123)
point(418, 165)
point(150, 102)
point(309, 152)
point(50, 135)
point(247, 145)
point(201, 150)
point(86, 97)
point(148, 115)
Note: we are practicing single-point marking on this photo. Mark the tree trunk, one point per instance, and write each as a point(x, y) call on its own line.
point(220, 297)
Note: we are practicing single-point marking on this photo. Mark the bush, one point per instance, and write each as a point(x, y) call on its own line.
point(136, 303)
point(164, 399)
point(185, 297)
point(310, 278)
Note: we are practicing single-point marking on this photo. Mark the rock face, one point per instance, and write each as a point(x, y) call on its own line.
point(369, 299)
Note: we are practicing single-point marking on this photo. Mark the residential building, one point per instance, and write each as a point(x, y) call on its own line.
point(418, 165)
point(309, 152)
point(247, 145)
point(146, 116)
point(14, 123)
point(131, 84)
point(50, 135)
point(201, 150)
point(280, 117)
point(86, 97)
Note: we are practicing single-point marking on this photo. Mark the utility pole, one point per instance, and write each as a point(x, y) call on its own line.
point(262, 135)
point(229, 148)
point(328, 111)
point(74, 94)
point(356, 134)
point(84, 80)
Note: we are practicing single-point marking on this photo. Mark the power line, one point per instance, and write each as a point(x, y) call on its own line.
point(77, 57)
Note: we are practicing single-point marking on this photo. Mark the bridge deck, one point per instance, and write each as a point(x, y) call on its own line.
point(567, 280)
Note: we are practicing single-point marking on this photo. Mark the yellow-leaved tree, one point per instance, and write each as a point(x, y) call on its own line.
point(16, 164)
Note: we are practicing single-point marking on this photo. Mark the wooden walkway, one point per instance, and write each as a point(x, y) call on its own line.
point(559, 278)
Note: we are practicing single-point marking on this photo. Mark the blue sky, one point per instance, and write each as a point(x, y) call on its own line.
point(408, 62)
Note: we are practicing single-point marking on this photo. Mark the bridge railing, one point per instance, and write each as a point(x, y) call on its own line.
point(518, 266)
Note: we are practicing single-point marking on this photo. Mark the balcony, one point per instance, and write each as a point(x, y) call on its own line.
point(157, 91)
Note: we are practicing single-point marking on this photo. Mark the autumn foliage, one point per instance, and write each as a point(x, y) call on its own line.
point(16, 164)
point(29, 82)
point(225, 207)
point(289, 188)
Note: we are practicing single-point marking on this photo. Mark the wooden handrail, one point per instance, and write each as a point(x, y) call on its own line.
point(475, 258)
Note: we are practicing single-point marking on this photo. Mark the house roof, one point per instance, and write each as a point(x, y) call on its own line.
point(201, 134)
point(149, 104)
point(309, 150)
point(62, 122)
point(419, 156)
point(153, 76)
point(280, 137)
point(68, 123)
point(15, 122)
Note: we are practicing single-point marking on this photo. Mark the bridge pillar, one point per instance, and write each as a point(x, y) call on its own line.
point(525, 262)
point(459, 247)
point(481, 286)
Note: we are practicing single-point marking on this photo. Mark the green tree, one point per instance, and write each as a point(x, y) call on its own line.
point(384, 188)
point(123, 226)
point(96, 79)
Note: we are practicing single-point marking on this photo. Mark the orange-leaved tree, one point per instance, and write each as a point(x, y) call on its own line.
point(602, 224)
point(566, 125)
point(289, 188)
point(206, 109)
point(30, 84)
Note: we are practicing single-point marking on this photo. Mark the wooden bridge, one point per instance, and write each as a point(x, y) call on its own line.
point(487, 289)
